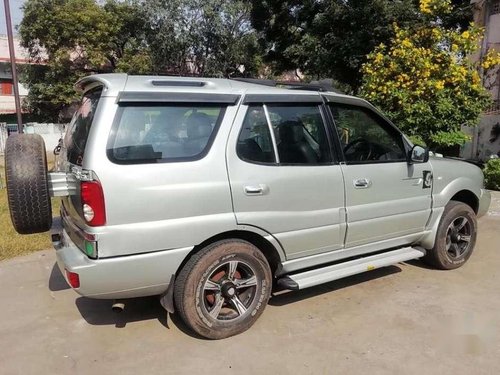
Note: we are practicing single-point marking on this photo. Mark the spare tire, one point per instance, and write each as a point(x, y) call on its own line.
point(27, 183)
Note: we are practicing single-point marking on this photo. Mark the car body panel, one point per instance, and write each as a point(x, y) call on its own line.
point(301, 206)
point(121, 277)
point(395, 203)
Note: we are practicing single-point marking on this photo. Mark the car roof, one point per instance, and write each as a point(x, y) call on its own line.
point(116, 83)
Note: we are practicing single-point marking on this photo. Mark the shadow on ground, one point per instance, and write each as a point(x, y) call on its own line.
point(287, 297)
point(98, 312)
point(420, 264)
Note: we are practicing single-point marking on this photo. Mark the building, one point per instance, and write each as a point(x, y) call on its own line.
point(7, 105)
point(486, 136)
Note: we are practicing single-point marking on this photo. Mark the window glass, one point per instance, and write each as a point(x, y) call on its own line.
point(146, 134)
point(79, 127)
point(300, 134)
point(365, 137)
point(254, 141)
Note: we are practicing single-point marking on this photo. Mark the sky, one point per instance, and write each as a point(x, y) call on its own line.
point(15, 12)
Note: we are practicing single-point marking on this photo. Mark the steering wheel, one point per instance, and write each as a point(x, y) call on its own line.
point(360, 149)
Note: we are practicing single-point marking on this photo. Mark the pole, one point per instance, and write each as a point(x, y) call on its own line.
point(15, 82)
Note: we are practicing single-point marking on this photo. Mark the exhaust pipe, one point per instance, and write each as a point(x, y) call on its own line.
point(118, 306)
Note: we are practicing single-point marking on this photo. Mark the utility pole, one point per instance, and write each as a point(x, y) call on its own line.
point(15, 81)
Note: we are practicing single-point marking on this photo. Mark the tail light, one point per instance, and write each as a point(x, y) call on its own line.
point(94, 211)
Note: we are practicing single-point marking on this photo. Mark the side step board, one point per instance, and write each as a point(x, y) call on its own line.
point(352, 267)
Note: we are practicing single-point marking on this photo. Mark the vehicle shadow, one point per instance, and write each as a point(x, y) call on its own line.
point(98, 311)
point(420, 264)
point(281, 297)
point(56, 280)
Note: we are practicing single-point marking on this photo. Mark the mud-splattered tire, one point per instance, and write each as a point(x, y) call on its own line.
point(27, 183)
point(455, 239)
point(223, 289)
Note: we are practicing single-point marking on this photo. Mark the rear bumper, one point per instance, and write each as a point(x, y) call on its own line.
point(484, 202)
point(119, 277)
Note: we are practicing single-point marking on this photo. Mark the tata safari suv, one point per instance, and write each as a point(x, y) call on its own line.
point(209, 192)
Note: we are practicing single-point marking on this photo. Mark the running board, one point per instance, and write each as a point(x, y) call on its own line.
point(352, 267)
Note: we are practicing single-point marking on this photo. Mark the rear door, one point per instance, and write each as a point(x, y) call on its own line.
point(386, 198)
point(283, 176)
point(73, 148)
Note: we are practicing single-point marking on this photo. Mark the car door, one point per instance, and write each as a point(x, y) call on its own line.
point(387, 199)
point(283, 176)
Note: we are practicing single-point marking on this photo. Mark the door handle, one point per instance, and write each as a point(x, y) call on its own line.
point(254, 190)
point(362, 183)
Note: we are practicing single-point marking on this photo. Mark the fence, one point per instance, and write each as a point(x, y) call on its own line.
point(49, 132)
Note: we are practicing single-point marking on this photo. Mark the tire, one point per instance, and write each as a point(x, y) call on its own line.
point(27, 183)
point(212, 299)
point(455, 239)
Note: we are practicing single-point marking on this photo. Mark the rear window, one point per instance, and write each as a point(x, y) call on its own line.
point(79, 127)
point(152, 134)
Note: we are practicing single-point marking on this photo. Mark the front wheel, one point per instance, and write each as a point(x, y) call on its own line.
point(456, 237)
point(223, 289)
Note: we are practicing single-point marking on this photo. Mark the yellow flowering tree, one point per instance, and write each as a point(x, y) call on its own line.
point(425, 80)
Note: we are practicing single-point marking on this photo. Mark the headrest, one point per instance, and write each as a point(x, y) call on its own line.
point(291, 131)
point(198, 126)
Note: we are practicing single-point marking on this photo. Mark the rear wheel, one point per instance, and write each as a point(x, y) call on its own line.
point(27, 183)
point(223, 289)
point(456, 237)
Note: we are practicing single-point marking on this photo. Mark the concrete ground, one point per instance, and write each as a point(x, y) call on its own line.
point(401, 319)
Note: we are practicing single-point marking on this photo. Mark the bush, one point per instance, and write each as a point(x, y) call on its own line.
point(424, 81)
point(492, 174)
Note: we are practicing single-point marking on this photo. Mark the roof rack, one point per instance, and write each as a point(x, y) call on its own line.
point(322, 85)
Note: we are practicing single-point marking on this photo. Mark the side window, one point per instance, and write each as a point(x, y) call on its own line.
point(79, 127)
point(254, 141)
point(365, 137)
point(300, 134)
point(163, 133)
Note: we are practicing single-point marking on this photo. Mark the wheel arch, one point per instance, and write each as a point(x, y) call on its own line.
point(467, 197)
point(273, 255)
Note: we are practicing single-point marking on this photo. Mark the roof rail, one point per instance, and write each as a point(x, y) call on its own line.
point(256, 81)
point(322, 85)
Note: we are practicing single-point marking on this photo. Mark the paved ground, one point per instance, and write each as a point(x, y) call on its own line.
point(401, 319)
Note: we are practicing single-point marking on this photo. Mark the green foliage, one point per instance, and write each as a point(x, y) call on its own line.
point(424, 81)
point(492, 174)
point(201, 37)
point(417, 140)
point(331, 38)
point(451, 138)
point(75, 38)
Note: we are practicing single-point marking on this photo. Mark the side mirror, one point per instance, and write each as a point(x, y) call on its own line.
point(418, 154)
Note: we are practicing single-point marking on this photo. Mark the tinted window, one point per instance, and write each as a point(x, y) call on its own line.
point(254, 141)
point(365, 136)
point(79, 127)
point(145, 134)
point(300, 134)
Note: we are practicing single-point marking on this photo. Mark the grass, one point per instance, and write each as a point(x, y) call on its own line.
point(13, 244)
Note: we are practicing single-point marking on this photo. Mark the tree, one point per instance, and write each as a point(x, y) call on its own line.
point(425, 81)
point(201, 37)
point(74, 38)
point(331, 38)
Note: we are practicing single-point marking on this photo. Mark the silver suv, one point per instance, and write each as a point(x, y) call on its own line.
point(210, 192)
